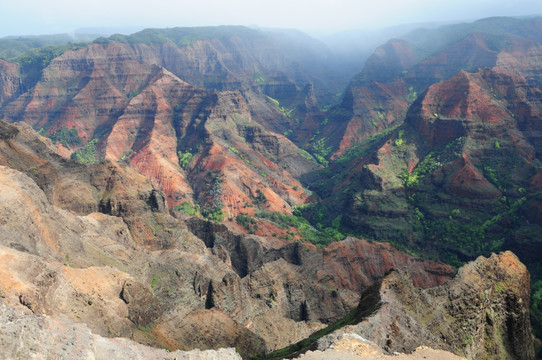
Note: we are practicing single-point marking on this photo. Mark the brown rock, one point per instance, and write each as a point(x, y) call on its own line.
point(354, 347)
point(207, 329)
point(143, 307)
point(482, 312)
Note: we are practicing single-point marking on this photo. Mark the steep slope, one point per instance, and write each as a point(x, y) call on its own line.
point(481, 313)
point(9, 81)
point(235, 57)
point(400, 70)
point(96, 244)
point(111, 101)
point(459, 176)
point(491, 294)
point(32, 335)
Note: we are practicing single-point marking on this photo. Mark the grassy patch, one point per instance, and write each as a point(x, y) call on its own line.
point(188, 209)
point(87, 154)
point(185, 159)
point(67, 137)
point(363, 148)
point(307, 232)
point(248, 222)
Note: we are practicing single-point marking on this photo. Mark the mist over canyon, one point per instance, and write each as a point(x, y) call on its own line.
point(237, 192)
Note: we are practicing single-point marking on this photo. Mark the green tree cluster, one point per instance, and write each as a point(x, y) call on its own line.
point(87, 154)
point(67, 137)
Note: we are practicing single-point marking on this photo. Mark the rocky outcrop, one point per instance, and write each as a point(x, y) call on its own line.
point(400, 70)
point(465, 157)
point(122, 280)
point(317, 285)
point(353, 347)
point(110, 188)
point(32, 335)
point(10, 81)
point(192, 332)
point(7, 131)
point(135, 104)
point(482, 313)
point(388, 61)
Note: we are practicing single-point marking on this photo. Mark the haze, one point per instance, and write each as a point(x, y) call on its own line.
point(36, 17)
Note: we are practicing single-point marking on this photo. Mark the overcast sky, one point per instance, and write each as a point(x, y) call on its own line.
point(25, 17)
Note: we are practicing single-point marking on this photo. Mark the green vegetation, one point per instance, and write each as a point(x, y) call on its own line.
point(410, 178)
point(133, 93)
point(184, 36)
point(35, 60)
point(260, 198)
point(536, 308)
point(213, 187)
point(431, 162)
point(304, 154)
point(286, 112)
point(274, 101)
point(146, 328)
point(67, 261)
point(185, 159)
point(317, 236)
point(214, 214)
point(87, 154)
point(155, 281)
point(258, 77)
point(241, 156)
point(13, 47)
point(320, 150)
point(67, 137)
point(463, 232)
point(364, 148)
point(412, 94)
point(213, 181)
point(399, 140)
point(234, 150)
point(248, 222)
point(188, 209)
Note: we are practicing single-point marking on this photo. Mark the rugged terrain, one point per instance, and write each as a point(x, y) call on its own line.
point(457, 173)
point(489, 295)
point(166, 195)
point(353, 347)
point(400, 70)
point(98, 245)
point(154, 104)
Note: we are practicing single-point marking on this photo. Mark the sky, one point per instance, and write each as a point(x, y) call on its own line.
point(37, 17)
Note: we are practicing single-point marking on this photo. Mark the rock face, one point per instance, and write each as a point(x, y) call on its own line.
point(303, 284)
point(354, 347)
point(202, 122)
point(474, 150)
point(460, 175)
point(400, 70)
point(142, 103)
point(481, 313)
point(96, 244)
point(9, 81)
point(32, 335)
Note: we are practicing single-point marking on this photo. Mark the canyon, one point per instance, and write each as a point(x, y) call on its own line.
point(232, 190)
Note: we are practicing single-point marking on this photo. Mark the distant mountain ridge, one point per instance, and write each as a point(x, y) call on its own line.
point(434, 146)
